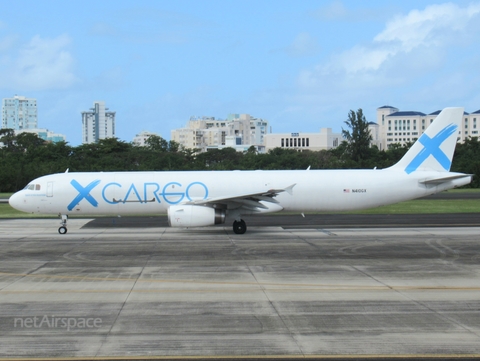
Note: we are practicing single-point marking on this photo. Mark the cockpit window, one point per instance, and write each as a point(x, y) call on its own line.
point(33, 187)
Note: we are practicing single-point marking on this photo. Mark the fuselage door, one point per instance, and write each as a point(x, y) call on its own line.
point(50, 189)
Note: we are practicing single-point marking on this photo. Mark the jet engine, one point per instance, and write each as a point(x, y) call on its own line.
point(194, 216)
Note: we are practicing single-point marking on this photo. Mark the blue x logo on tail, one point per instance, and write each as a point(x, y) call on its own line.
point(83, 193)
point(432, 147)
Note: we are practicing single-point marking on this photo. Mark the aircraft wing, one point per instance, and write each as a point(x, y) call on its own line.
point(249, 201)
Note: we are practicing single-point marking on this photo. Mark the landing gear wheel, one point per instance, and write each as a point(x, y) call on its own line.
point(63, 228)
point(239, 227)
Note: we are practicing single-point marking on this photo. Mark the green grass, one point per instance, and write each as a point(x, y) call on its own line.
point(5, 195)
point(464, 190)
point(426, 206)
point(8, 212)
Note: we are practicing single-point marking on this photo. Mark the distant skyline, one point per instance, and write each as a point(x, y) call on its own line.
point(300, 65)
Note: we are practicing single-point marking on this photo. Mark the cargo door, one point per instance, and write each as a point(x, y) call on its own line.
point(50, 189)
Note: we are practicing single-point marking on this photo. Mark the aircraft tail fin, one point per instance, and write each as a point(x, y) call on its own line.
point(434, 149)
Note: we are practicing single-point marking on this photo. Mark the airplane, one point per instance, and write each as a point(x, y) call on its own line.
point(207, 198)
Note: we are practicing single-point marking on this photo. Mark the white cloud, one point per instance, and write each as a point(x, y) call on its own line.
point(408, 45)
point(110, 79)
point(103, 29)
point(333, 11)
point(40, 64)
point(423, 59)
point(7, 42)
point(362, 12)
point(427, 27)
point(303, 45)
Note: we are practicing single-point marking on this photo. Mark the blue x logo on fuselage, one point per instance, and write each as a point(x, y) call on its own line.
point(432, 147)
point(83, 192)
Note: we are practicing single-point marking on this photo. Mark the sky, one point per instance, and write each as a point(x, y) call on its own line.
point(301, 65)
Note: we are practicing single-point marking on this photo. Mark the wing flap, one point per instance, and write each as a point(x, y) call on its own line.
point(249, 201)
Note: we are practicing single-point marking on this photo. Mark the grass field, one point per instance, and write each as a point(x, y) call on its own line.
point(427, 206)
point(419, 206)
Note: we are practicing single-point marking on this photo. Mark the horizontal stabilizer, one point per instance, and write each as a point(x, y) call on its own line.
point(440, 180)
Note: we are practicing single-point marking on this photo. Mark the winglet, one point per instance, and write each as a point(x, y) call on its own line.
point(289, 189)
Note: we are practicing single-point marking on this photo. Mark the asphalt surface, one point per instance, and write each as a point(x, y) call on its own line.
point(207, 293)
point(313, 221)
point(327, 220)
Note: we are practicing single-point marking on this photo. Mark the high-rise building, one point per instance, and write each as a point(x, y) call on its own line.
point(19, 113)
point(97, 123)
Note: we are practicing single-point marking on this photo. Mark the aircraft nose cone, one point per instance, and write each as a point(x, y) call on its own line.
point(16, 201)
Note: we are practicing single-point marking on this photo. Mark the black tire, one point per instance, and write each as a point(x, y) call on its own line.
point(239, 227)
point(62, 230)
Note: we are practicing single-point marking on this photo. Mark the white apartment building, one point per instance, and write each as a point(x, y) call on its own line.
point(141, 138)
point(325, 139)
point(375, 133)
point(402, 127)
point(232, 141)
point(44, 134)
point(19, 113)
point(207, 132)
point(97, 123)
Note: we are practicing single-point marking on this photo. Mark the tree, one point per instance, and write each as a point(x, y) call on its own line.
point(7, 137)
point(154, 142)
point(358, 138)
point(28, 141)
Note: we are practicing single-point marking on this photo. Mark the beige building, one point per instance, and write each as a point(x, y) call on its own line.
point(403, 127)
point(141, 138)
point(326, 139)
point(208, 133)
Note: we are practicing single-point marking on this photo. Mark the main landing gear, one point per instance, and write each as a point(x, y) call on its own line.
point(63, 228)
point(239, 227)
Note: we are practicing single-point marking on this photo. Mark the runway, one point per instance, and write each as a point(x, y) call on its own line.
point(202, 293)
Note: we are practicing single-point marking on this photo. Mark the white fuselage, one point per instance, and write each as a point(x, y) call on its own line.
point(134, 193)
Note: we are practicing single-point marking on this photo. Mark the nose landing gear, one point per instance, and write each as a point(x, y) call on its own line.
point(63, 228)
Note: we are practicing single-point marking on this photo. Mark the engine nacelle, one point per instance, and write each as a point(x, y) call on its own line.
point(194, 216)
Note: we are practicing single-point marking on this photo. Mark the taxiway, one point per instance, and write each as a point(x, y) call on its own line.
point(298, 292)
